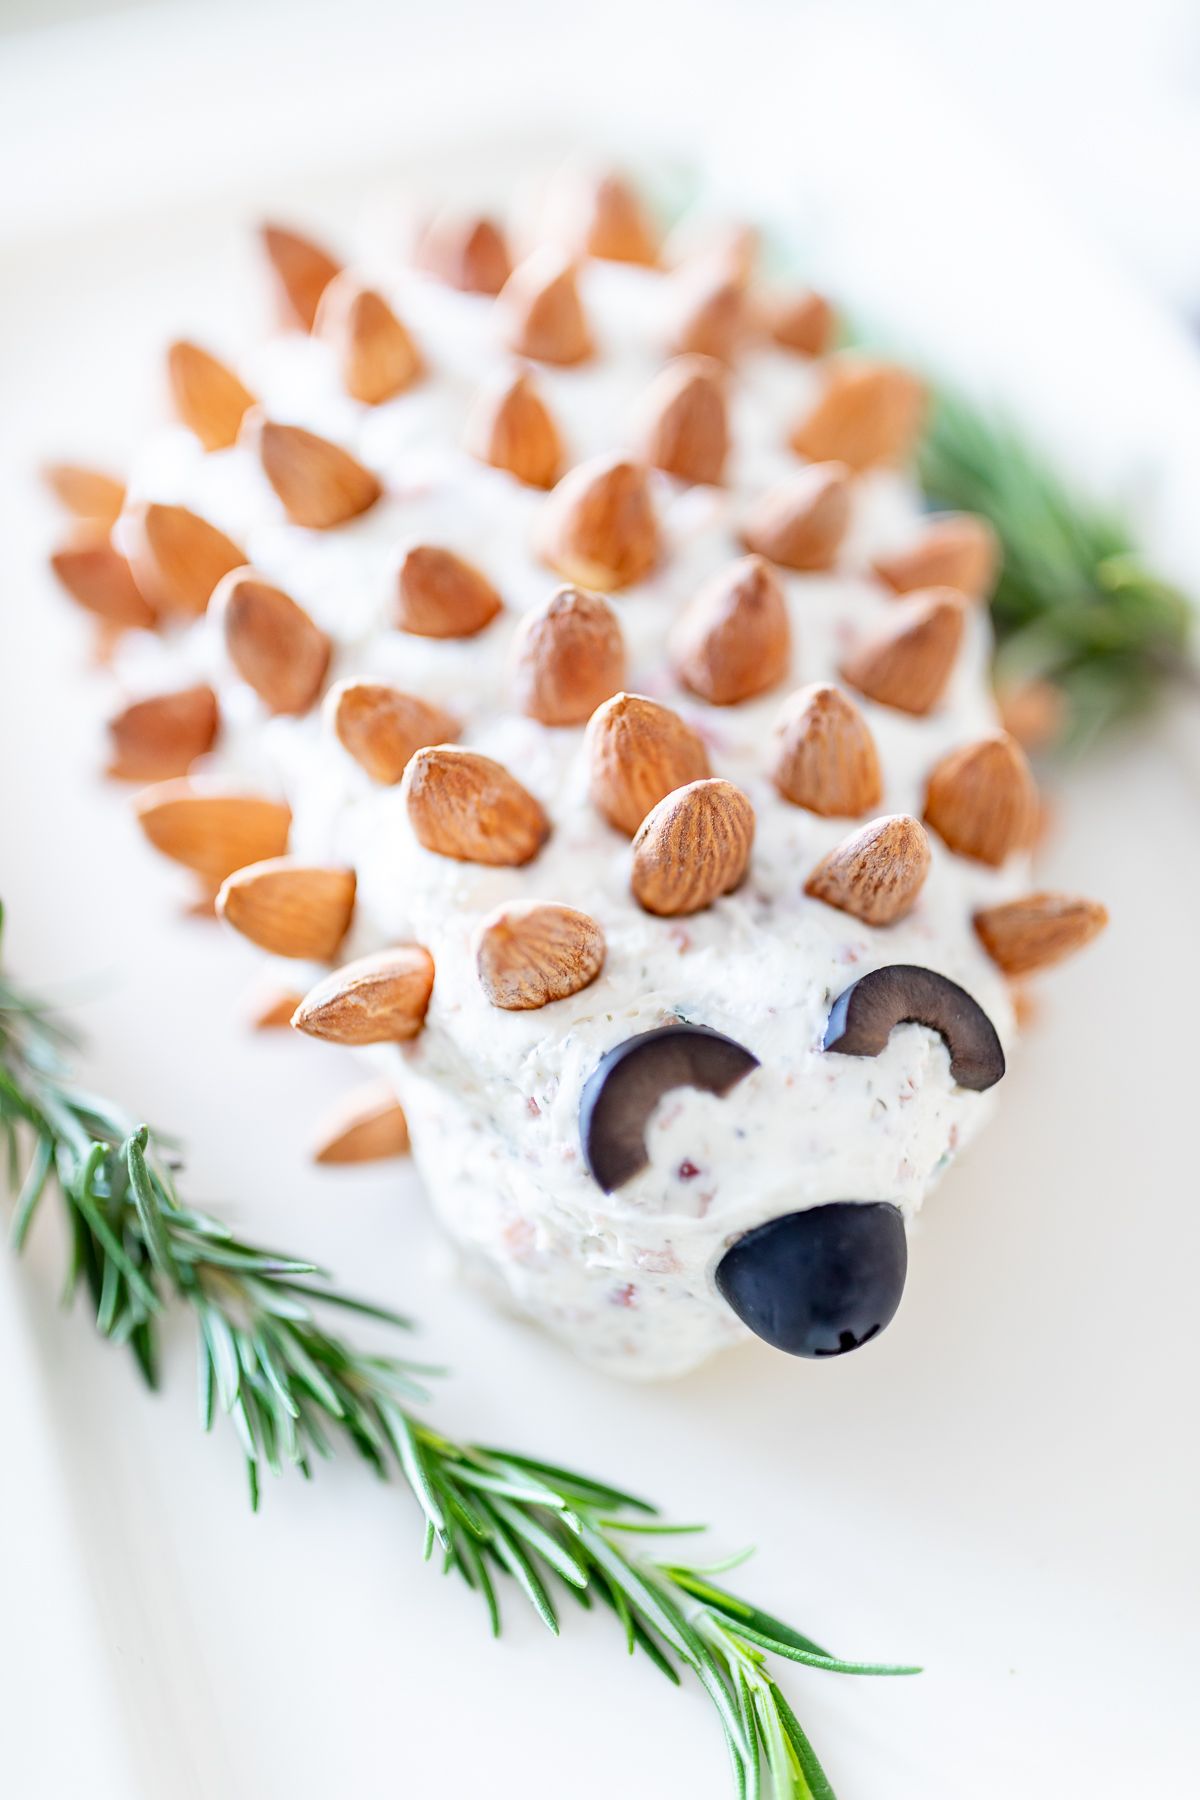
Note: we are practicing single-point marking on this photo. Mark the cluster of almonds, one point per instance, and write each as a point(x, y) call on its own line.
point(146, 565)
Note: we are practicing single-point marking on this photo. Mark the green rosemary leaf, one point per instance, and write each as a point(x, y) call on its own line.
point(34, 1186)
point(795, 1653)
point(818, 1782)
point(521, 1568)
point(408, 1450)
point(561, 1558)
point(147, 1204)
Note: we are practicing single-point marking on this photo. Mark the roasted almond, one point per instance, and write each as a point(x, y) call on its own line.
point(599, 528)
point(616, 226)
point(98, 578)
point(271, 642)
point(211, 830)
point(321, 485)
point(376, 356)
point(270, 1007)
point(1032, 933)
point(303, 271)
point(568, 657)
point(545, 317)
point(713, 317)
point(365, 1126)
point(685, 420)
point(87, 493)
point(382, 727)
point(177, 557)
point(533, 952)
point(209, 398)
point(802, 520)
point(639, 751)
point(439, 595)
point(692, 848)
point(464, 805)
point(982, 800)
point(380, 999)
point(290, 908)
point(511, 427)
point(876, 873)
point(802, 320)
point(162, 735)
point(955, 550)
point(908, 662)
point(734, 640)
point(825, 757)
point(466, 253)
point(867, 412)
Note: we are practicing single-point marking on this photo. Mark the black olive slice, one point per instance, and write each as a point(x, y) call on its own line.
point(622, 1092)
point(821, 1282)
point(865, 1015)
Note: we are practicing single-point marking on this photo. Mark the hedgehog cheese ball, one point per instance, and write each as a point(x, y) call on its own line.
point(553, 662)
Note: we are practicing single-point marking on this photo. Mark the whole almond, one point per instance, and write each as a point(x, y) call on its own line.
point(956, 550)
point(438, 595)
point(382, 727)
point(876, 873)
point(909, 661)
point(825, 758)
point(616, 227)
point(512, 428)
point(213, 831)
point(98, 578)
point(87, 493)
point(685, 420)
point(466, 806)
point(639, 751)
point(320, 484)
point(365, 1126)
point(376, 356)
point(802, 520)
point(303, 271)
point(713, 317)
point(803, 321)
point(545, 317)
point(1038, 930)
point(161, 736)
point(692, 848)
point(290, 908)
point(379, 999)
point(599, 528)
point(533, 952)
point(734, 640)
point(466, 253)
point(177, 557)
point(271, 642)
point(568, 657)
point(209, 398)
point(867, 412)
point(982, 800)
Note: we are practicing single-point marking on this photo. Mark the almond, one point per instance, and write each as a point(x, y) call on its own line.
point(177, 557)
point(1041, 929)
point(908, 663)
point(544, 312)
point(209, 398)
point(303, 271)
point(270, 1008)
point(466, 253)
point(734, 640)
point(439, 595)
point(568, 657)
point(982, 800)
point(366, 1126)
point(692, 848)
point(272, 643)
point(87, 493)
point(382, 728)
point(685, 420)
point(825, 757)
point(802, 520)
point(713, 317)
point(377, 358)
point(876, 873)
point(599, 528)
point(956, 550)
point(639, 751)
point(380, 999)
point(867, 412)
point(1035, 712)
point(211, 830)
point(464, 805)
point(162, 736)
point(616, 227)
point(803, 321)
point(97, 577)
point(533, 952)
point(512, 428)
point(289, 908)
point(321, 485)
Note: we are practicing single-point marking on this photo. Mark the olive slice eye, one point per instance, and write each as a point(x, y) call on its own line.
point(864, 1016)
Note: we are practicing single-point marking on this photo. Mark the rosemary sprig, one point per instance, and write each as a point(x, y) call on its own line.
point(292, 1389)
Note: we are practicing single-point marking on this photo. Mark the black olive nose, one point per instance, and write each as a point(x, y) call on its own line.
point(820, 1282)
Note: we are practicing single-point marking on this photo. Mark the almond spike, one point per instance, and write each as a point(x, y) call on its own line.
point(383, 728)
point(734, 640)
point(802, 520)
point(466, 806)
point(512, 429)
point(271, 1008)
point(545, 314)
point(366, 1126)
point(289, 908)
point(87, 493)
point(533, 952)
point(380, 999)
point(439, 595)
point(599, 528)
point(908, 663)
point(825, 757)
point(876, 873)
point(303, 271)
point(377, 357)
point(958, 550)
point(213, 831)
point(638, 752)
point(982, 800)
point(868, 412)
point(469, 254)
point(98, 578)
point(692, 848)
point(1041, 929)
point(321, 485)
point(685, 420)
point(803, 321)
point(161, 736)
point(271, 642)
point(177, 557)
point(714, 315)
point(568, 657)
point(209, 398)
point(617, 228)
